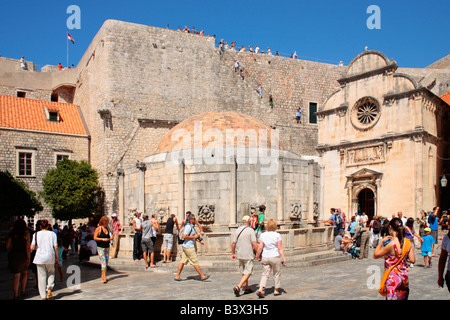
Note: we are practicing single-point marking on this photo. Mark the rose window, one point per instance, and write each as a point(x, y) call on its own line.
point(365, 113)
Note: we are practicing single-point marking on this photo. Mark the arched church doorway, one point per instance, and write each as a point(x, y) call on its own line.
point(366, 202)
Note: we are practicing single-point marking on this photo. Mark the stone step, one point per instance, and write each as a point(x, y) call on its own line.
point(221, 263)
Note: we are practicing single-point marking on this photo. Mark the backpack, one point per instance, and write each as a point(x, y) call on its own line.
point(376, 226)
point(254, 222)
point(338, 219)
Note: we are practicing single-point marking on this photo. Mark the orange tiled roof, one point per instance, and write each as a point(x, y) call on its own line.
point(446, 97)
point(30, 114)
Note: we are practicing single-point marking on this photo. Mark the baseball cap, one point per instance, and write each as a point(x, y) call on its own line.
point(245, 218)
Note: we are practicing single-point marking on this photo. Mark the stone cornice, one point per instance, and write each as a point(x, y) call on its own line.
point(143, 121)
point(341, 109)
point(413, 134)
point(390, 67)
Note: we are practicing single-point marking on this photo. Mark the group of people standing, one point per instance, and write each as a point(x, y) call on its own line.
point(394, 240)
point(42, 250)
point(145, 234)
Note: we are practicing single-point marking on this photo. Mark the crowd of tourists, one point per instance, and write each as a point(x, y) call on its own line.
point(395, 241)
point(224, 45)
point(43, 249)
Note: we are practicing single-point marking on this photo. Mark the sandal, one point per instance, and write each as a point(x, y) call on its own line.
point(247, 291)
point(260, 294)
point(277, 293)
point(206, 277)
point(237, 291)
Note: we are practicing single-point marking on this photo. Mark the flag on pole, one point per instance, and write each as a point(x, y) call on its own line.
point(69, 37)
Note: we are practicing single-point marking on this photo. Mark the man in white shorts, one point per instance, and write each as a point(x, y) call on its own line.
point(245, 242)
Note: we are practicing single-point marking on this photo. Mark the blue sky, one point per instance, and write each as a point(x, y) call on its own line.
point(413, 33)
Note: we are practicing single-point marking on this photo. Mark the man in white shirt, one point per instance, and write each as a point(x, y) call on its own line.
point(137, 225)
point(244, 241)
point(364, 219)
point(400, 215)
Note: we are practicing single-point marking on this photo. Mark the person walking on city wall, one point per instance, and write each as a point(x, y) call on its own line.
point(271, 254)
point(116, 230)
point(189, 253)
point(18, 247)
point(444, 258)
point(102, 236)
point(168, 237)
point(298, 115)
point(137, 226)
point(398, 253)
point(46, 259)
point(147, 242)
point(243, 247)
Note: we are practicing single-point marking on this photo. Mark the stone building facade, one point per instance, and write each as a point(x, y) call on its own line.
point(383, 139)
point(35, 134)
point(135, 83)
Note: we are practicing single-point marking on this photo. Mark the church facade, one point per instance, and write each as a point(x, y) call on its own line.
point(383, 139)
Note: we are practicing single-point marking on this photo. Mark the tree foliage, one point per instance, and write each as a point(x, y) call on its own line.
point(16, 199)
point(71, 189)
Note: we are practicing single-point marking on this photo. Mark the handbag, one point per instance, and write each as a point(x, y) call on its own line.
point(180, 235)
point(382, 290)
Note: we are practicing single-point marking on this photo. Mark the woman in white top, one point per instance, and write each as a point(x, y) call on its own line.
point(271, 254)
point(46, 258)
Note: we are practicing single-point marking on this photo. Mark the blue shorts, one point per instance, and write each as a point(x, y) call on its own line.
point(426, 253)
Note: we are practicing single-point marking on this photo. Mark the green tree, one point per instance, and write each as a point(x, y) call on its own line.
point(16, 199)
point(71, 189)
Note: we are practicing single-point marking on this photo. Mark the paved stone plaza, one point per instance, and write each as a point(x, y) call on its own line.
point(334, 281)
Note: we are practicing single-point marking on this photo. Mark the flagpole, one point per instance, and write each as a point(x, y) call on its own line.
point(67, 39)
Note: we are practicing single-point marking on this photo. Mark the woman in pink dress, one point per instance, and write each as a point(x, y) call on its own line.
point(397, 251)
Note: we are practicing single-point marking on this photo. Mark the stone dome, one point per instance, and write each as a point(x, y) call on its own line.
point(218, 129)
